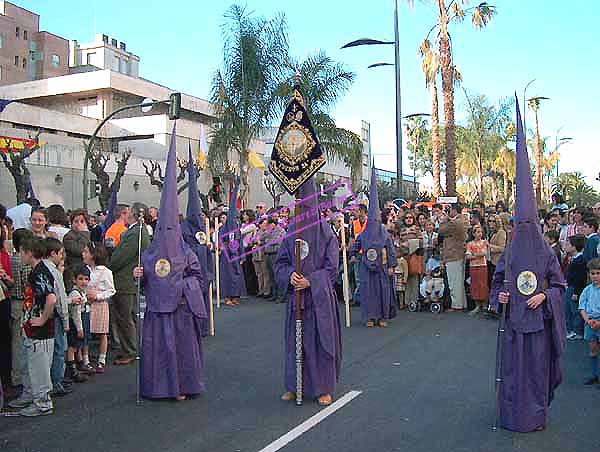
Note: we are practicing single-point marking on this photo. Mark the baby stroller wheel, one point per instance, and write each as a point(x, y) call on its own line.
point(413, 306)
point(436, 308)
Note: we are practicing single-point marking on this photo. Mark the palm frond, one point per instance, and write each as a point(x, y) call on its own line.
point(482, 14)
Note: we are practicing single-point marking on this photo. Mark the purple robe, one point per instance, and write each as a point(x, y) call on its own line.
point(322, 342)
point(171, 361)
point(531, 369)
point(534, 339)
point(377, 294)
point(231, 276)
point(206, 264)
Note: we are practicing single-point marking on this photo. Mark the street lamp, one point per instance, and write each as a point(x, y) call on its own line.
point(396, 43)
point(416, 146)
point(524, 109)
point(174, 103)
point(558, 143)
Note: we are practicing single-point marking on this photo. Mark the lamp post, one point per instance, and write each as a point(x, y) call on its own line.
point(174, 103)
point(417, 129)
point(558, 142)
point(396, 43)
point(524, 109)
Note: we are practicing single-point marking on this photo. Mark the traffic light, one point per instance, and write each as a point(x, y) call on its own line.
point(174, 105)
point(94, 189)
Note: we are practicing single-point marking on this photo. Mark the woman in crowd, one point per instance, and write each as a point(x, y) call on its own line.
point(497, 243)
point(74, 242)
point(248, 229)
point(410, 236)
point(57, 221)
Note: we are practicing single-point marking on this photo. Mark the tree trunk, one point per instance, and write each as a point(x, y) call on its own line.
point(448, 94)
point(538, 163)
point(481, 191)
point(505, 182)
point(435, 140)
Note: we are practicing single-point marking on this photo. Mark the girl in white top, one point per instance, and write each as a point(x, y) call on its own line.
point(100, 289)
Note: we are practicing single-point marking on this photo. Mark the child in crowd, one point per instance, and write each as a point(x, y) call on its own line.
point(477, 252)
point(430, 240)
point(552, 238)
point(38, 333)
point(78, 314)
point(589, 307)
point(20, 273)
point(592, 239)
point(432, 286)
point(576, 281)
point(100, 289)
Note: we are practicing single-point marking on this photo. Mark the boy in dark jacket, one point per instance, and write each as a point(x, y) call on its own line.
point(576, 282)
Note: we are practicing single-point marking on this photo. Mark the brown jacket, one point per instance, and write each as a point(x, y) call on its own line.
point(498, 239)
point(454, 232)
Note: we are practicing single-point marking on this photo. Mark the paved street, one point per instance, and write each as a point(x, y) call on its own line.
point(426, 382)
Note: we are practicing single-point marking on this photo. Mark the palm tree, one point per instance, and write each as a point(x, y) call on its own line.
point(448, 12)
point(416, 129)
point(322, 82)
point(431, 65)
point(534, 104)
point(505, 163)
point(244, 90)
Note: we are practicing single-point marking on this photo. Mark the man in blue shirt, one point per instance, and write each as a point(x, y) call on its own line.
point(589, 307)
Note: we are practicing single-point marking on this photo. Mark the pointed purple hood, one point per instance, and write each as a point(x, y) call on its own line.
point(232, 223)
point(194, 215)
point(530, 256)
point(164, 261)
point(313, 229)
point(374, 235)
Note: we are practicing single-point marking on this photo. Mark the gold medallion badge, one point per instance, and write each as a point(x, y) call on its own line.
point(201, 237)
point(162, 268)
point(371, 254)
point(527, 283)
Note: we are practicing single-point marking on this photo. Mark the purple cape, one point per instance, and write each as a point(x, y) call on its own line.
point(172, 349)
point(534, 339)
point(322, 342)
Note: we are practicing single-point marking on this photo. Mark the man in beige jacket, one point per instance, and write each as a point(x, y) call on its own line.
point(453, 229)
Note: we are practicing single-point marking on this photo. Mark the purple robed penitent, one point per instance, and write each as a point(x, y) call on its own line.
point(231, 275)
point(322, 342)
point(534, 339)
point(175, 310)
point(195, 235)
point(377, 295)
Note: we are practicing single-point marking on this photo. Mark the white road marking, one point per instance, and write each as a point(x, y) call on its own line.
point(310, 422)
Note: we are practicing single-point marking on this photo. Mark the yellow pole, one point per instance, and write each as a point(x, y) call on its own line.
point(217, 262)
point(211, 313)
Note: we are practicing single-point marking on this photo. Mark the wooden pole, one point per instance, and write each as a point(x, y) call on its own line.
point(345, 281)
point(210, 311)
point(211, 314)
point(217, 262)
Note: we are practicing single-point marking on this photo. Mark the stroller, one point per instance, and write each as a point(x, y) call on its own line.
point(432, 289)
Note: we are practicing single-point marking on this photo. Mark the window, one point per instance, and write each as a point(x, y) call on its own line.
point(17, 32)
point(89, 57)
point(0, 72)
point(55, 60)
point(25, 34)
point(16, 60)
point(116, 63)
point(24, 63)
point(1, 41)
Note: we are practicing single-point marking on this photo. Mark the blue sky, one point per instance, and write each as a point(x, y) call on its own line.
point(555, 42)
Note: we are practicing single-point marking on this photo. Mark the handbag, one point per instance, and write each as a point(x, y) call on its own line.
point(416, 265)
